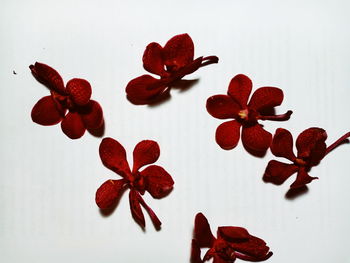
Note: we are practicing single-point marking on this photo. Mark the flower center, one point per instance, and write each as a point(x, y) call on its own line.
point(243, 114)
point(300, 162)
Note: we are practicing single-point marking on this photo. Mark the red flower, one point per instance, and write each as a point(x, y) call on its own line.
point(83, 113)
point(171, 63)
point(235, 106)
point(311, 148)
point(231, 243)
point(153, 178)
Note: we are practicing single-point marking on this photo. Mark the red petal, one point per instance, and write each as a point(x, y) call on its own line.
point(155, 220)
point(178, 52)
point(218, 259)
point(145, 89)
point(109, 193)
point(256, 139)
point(227, 134)
point(79, 90)
point(255, 248)
point(152, 59)
point(113, 156)
point(48, 76)
point(145, 152)
point(266, 98)
point(135, 208)
point(92, 115)
point(72, 125)
point(302, 179)
point(195, 252)
point(233, 233)
point(222, 107)
point(282, 144)
point(45, 112)
point(311, 145)
point(158, 182)
point(277, 172)
point(239, 89)
point(202, 233)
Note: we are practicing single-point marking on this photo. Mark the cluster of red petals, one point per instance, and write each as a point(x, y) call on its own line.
point(311, 149)
point(235, 106)
point(83, 113)
point(153, 179)
point(171, 63)
point(231, 243)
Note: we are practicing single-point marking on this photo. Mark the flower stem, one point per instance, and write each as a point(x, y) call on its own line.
point(209, 60)
point(280, 117)
point(341, 140)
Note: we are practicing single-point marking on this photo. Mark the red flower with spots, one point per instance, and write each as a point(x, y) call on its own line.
point(171, 63)
point(83, 113)
point(311, 148)
point(153, 179)
point(235, 106)
point(231, 243)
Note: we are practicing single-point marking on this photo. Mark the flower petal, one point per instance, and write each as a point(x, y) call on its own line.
point(277, 172)
point(227, 134)
point(145, 152)
point(202, 233)
point(155, 220)
point(113, 156)
point(72, 125)
point(254, 247)
point(45, 112)
point(152, 59)
point(48, 76)
point(222, 107)
point(92, 115)
point(311, 145)
point(79, 91)
point(239, 89)
point(109, 193)
point(145, 89)
point(233, 233)
point(266, 98)
point(255, 138)
point(195, 252)
point(218, 259)
point(282, 144)
point(158, 182)
point(303, 178)
point(135, 208)
point(178, 52)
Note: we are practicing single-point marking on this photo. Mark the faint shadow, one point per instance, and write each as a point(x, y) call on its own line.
point(99, 132)
point(163, 98)
point(184, 84)
point(297, 192)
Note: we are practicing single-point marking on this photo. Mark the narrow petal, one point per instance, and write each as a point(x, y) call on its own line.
point(72, 125)
point(227, 134)
point(45, 112)
point(266, 98)
point(303, 179)
point(178, 52)
point(202, 233)
point(155, 220)
point(277, 172)
point(109, 193)
point(282, 144)
point(256, 139)
point(254, 247)
point(135, 208)
point(145, 152)
point(113, 156)
point(233, 233)
point(152, 59)
point(195, 252)
point(158, 182)
point(48, 76)
point(145, 89)
point(92, 115)
point(239, 89)
point(222, 107)
point(311, 145)
point(79, 91)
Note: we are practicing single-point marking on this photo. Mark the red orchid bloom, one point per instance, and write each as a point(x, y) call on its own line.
point(153, 178)
point(231, 243)
point(83, 113)
point(171, 63)
point(235, 106)
point(311, 148)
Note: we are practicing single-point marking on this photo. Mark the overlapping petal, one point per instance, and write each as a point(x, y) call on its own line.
point(239, 89)
point(72, 125)
point(158, 182)
point(282, 144)
point(153, 60)
point(255, 138)
point(48, 76)
point(202, 233)
point(255, 247)
point(222, 107)
point(135, 208)
point(233, 233)
point(266, 98)
point(45, 112)
point(145, 152)
point(109, 193)
point(92, 115)
point(277, 172)
point(227, 134)
point(79, 90)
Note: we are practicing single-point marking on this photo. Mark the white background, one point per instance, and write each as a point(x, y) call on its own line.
point(48, 181)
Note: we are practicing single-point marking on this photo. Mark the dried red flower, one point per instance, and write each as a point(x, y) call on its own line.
point(311, 148)
point(231, 243)
point(235, 106)
point(153, 178)
point(83, 113)
point(171, 63)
